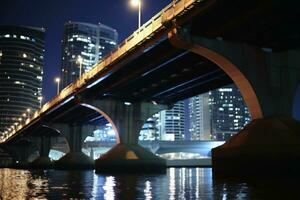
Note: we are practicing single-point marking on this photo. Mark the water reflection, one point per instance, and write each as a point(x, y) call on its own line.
point(178, 183)
point(109, 191)
point(189, 183)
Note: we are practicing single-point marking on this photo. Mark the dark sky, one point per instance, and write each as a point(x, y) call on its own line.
point(52, 14)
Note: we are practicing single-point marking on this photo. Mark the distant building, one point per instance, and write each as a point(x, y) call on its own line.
point(21, 70)
point(229, 114)
point(105, 133)
point(199, 117)
point(149, 130)
point(170, 123)
point(89, 41)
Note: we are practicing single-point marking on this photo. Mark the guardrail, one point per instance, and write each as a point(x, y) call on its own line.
point(146, 31)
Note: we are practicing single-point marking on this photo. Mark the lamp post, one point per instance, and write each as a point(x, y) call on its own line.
point(138, 3)
point(57, 80)
point(28, 111)
point(80, 60)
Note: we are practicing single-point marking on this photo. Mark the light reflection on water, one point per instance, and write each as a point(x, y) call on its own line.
point(178, 183)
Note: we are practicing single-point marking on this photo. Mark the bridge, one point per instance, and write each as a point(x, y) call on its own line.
point(202, 148)
point(190, 47)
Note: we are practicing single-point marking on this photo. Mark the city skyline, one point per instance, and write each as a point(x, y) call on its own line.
point(52, 15)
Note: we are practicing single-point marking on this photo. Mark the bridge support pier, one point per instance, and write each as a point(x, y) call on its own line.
point(75, 135)
point(43, 161)
point(268, 82)
point(127, 120)
point(21, 152)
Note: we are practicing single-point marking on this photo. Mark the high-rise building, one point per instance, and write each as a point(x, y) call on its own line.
point(199, 117)
point(170, 123)
point(21, 69)
point(89, 42)
point(149, 130)
point(229, 114)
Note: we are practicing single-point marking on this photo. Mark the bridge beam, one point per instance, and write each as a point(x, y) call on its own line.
point(127, 120)
point(75, 136)
point(267, 80)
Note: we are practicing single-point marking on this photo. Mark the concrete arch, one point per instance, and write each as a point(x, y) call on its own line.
point(51, 128)
point(237, 76)
point(227, 66)
point(57, 133)
point(106, 116)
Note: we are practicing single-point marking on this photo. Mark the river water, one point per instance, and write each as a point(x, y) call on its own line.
point(177, 183)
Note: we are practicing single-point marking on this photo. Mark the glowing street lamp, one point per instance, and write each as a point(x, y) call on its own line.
point(28, 112)
point(80, 61)
point(138, 3)
point(57, 80)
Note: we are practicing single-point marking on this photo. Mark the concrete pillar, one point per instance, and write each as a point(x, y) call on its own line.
point(127, 120)
point(267, 80)
point(75, 135)
point(21, 152)
point(43, 161)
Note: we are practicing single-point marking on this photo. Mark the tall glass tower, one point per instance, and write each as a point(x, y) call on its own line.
point(21, 69)
point(90, 42)
point(199, 117)
point(229, 114)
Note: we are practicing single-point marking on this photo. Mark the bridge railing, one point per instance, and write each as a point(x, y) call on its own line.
point(145, 32)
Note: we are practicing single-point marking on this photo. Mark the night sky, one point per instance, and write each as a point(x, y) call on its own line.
point(52, 14)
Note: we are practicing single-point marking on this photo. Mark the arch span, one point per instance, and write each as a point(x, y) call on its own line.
point(227, 66)
point(106, 116)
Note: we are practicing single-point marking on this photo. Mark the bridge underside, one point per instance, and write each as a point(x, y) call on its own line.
point(163, 74)
point(264, 23)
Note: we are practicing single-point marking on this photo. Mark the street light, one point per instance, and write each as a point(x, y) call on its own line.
point(137, 3)
point(57, 80)
point(80, 60)
point(28, 111)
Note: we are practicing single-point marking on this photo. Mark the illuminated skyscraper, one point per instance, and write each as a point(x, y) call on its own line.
point(88, 41)
point(21, 69)
point(199, 117)
point(229, 114)
point(170, 123)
